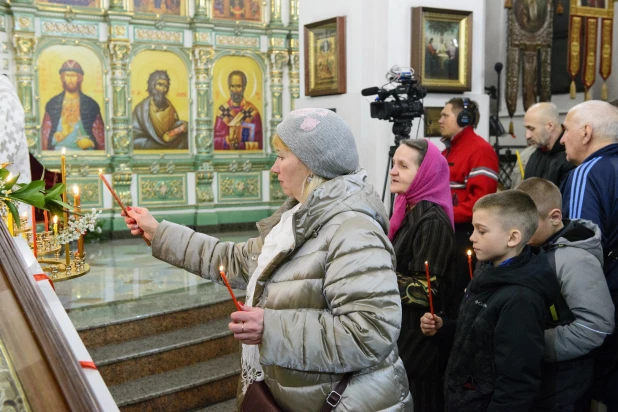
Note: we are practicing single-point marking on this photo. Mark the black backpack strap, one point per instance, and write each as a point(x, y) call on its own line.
point(560, 312)
point(333, 398)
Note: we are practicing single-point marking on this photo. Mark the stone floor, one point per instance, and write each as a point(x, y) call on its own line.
point(124, 269)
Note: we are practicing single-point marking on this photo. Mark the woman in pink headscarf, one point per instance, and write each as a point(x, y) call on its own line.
point(421, 229)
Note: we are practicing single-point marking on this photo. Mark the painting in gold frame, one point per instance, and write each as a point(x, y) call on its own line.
point(442, 48)
point(72, 109)
point(432, 117)
point(166, 7)
point(325, 57)
point(160, 102)
point(593, 8)
point(238, 10)
point(238, 102)
point(91, 4)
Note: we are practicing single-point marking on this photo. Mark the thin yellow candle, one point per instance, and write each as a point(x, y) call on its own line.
point(521, 165)
point(9, 219)
point(76, 203)
point(9, 223)
point(63, 170)
point(55, 225)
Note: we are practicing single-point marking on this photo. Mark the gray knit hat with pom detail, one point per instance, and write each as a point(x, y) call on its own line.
point(321, 140)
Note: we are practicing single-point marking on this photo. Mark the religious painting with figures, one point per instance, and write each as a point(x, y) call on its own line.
point(325, 57)
point(530, 14)
point(71, 99)
point(241, 10)
point(173, 7)
point(442, 48)
point(238, 104)
point(92, 4)
point(160, 99)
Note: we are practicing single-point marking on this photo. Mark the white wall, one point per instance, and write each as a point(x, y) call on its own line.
point(378, 37)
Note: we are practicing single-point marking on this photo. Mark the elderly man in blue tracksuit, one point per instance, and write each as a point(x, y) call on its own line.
point(591, 192)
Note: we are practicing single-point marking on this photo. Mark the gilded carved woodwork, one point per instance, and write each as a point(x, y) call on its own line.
point(277, 59)
point(204, 178)
point(121, 133)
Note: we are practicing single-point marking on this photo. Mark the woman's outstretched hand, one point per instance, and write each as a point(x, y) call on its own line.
point(430, 324)
point(139, 221)
point(248, 325)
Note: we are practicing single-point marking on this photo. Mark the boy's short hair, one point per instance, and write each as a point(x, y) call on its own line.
point(545, 195)
point(516, 210)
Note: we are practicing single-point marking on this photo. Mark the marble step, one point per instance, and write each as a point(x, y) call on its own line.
point(184, 389)
point(160, 353)
point(227, 406)
point(123, 321)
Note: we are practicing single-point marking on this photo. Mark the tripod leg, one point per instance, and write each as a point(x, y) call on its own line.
point(388, 169)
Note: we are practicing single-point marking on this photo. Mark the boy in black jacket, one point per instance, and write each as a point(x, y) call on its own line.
point(495, 362)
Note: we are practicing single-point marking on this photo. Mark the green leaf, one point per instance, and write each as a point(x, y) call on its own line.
point(31, 194)
point(56, 207)
point(30, 188)
point(9, 185)
point(13, 210)
point(55, 191)
point(4, 173)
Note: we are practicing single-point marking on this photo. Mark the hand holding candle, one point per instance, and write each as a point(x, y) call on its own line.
point(429, 288)
point(229, 288)
point(470, 263)
point(115, 195)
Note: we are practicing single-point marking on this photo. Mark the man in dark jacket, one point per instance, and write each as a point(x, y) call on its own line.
point(495, 362)
point(590, 192)
point(584, 314)
point(543, 131)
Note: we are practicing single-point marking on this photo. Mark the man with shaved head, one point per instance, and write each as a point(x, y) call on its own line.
point(543, 131)
point(591, 192)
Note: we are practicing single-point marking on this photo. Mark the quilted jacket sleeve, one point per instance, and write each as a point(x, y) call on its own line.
point(585, 291)
point(363, 323)
point(202, 254)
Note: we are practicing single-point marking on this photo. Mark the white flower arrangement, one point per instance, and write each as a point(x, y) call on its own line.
point(79, 225)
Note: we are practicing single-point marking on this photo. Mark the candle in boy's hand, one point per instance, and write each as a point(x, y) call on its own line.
point(229, 288)
point(429, 287)
point(470, 263)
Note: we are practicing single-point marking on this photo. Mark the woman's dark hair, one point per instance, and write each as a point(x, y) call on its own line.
point(420, 145)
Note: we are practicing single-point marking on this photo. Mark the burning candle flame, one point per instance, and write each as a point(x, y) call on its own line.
point(75, 190)
point(221, 268)
point(25, 214)
point(55, 219)
point(469, 252)
point(63, 151)
point(100, 171)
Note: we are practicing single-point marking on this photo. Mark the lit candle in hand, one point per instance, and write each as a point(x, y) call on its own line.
point(429, 287)
point(229, 288)
point(470, 263)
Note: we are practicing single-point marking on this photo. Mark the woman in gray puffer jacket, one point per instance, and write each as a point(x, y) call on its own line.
point(322, 295)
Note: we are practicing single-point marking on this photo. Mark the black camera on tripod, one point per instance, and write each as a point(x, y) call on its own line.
point(405, 105)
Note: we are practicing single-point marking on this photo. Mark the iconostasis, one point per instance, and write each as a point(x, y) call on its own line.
point(177, 102)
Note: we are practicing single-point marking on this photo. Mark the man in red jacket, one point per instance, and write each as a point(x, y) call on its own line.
point(473, 165)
